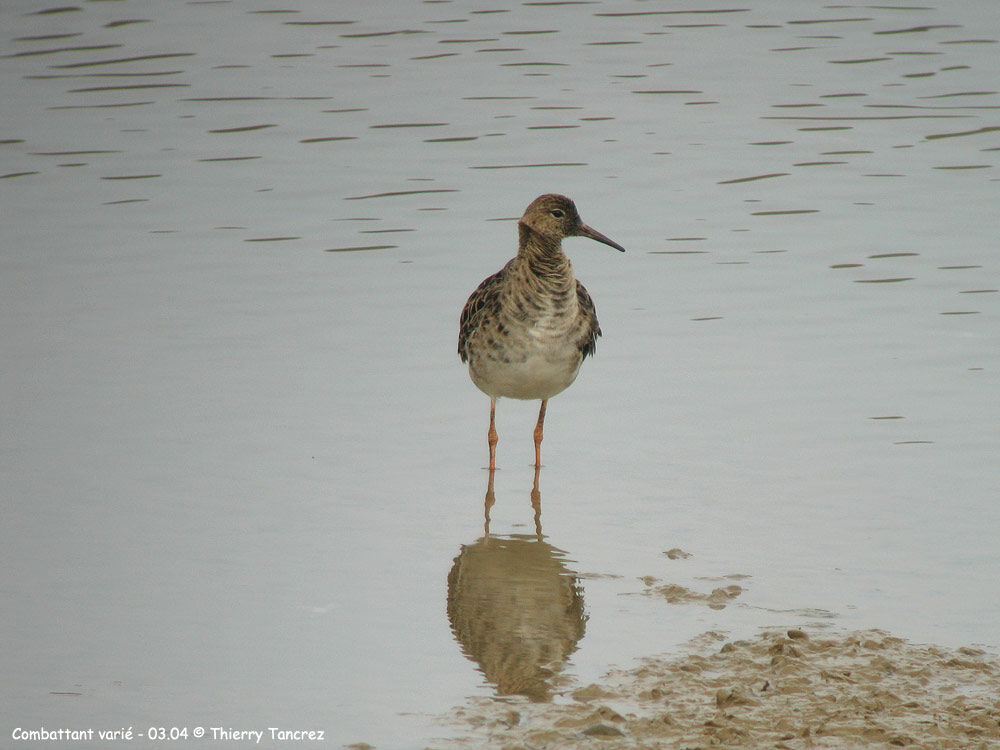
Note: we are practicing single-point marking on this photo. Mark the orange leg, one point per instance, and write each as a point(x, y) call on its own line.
point(488, 502)
point(491, 436)
point(538, 434)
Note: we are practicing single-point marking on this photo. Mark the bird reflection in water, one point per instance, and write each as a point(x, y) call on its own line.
point(515, 608)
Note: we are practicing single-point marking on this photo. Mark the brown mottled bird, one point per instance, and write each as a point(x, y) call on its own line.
point(526, 329)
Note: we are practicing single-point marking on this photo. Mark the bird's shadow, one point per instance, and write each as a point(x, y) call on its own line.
point(515, 608)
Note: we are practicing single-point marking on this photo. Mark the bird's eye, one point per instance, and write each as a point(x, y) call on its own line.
point(557, 213)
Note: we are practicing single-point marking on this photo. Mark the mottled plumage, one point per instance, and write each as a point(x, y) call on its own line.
point(525, 330)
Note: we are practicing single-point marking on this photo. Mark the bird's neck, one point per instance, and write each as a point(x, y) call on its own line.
point(543, 256)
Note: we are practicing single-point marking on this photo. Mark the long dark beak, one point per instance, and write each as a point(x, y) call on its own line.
point(586, 231)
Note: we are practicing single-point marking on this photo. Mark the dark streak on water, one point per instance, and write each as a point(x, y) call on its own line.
point(359, 248)
point(243, 128)
point(530, 166)
point(750, 179)
point(229, 158)
point(398, 193)
point(119, 61)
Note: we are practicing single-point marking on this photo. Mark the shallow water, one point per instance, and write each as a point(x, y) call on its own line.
point(243, 457)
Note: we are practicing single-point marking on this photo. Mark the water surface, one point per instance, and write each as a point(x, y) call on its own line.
point(242, 459)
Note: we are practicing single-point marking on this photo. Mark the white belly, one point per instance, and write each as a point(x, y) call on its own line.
point(536, 376)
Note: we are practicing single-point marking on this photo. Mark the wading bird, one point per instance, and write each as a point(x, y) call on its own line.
point(525, 330)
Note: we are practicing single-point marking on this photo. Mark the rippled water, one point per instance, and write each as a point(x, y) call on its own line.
point(243, 462)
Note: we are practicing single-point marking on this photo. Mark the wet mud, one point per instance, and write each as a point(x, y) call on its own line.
point(781, 689)
point(675, 593)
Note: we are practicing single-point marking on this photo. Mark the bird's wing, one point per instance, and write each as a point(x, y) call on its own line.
point(588, 342)
point(486, 297)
